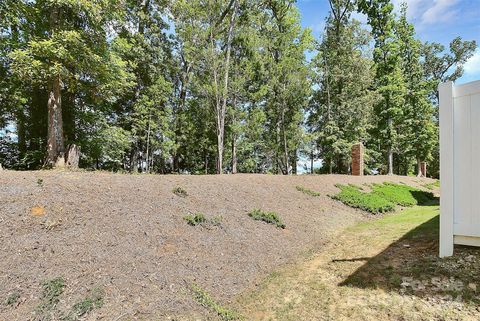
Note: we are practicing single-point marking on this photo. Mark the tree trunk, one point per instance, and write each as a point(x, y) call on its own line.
point(234, 138)
point(148, 144)
point(419, 168)
point(72, 156)
point(206, 163)
point(390, 161)
point(222, 108)
point(311, 162)
point(285, 143)
point(55, 141)
point(234, 154)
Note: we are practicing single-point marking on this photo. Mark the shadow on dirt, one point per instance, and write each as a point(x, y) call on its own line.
point(411, 266)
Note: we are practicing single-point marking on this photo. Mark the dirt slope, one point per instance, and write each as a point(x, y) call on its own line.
point(126, 235)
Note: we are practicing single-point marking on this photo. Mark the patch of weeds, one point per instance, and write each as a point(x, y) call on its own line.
point(269, 217)
point(383, 197)
point(12, 298)
point(91, 302)
point(50, 297)
point(40, 182)
point(307, 191)
point(180, 192)
point(204, 299)
point(216, 221)
point(200, 219)
point(195, 219)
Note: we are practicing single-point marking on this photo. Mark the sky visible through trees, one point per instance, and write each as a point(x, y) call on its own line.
point(218, 86)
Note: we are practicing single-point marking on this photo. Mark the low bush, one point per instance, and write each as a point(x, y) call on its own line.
point(352, 196)
point(200, 219)
point(195, 219)
point(382, 197)
point(180, 192)
point(93, 301)
point(268, 217)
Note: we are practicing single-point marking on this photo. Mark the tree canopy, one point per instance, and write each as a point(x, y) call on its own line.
point(217, 86)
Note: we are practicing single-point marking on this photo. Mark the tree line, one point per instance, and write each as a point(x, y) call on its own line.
point(214, 86)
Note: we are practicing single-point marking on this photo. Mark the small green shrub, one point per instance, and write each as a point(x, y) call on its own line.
point(307, 191)
point(53, 289)
point(40, 182)
point(50, 297)
point(370, 202)
point(200, 219)
point(204, 299)
point(269, 217)
point(93, 301)
point(195, 219)
point(180, 192)
point(383, 197)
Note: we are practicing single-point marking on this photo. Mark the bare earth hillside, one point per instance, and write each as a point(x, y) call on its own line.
point(126, 235)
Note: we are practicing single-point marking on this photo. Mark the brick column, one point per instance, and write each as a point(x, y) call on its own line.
point(357, 159)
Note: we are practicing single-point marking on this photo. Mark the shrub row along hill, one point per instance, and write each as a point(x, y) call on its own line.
point(382, 197)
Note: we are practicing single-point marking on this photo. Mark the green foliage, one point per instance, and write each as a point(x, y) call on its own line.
point(177, 86)
point(12, 298)
point(307, 191)
point(268, 217)
point(52, 290)
point(195, 219)
point(200, 219)
point(433, 185)
point(205, 299)
point(382, 197)
point(401, 194)
point(342, 106)
point(370, 202)
point(93, 301)
point(180, 191)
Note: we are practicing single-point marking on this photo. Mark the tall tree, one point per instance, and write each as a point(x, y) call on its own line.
point(418, 123)
point(68, 46)
point(288, 81)
point(389, 81)
point(341, 108)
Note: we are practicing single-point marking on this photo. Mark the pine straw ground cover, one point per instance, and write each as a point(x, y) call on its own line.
point(126, 235)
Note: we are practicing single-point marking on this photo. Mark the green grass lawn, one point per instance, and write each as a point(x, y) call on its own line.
point(382, 269)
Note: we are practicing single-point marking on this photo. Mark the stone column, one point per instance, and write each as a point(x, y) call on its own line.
point(357, 159)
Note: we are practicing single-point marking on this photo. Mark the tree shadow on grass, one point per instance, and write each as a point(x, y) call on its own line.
point(411, 266)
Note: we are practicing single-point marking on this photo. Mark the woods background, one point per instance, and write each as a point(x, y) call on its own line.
point(212, 86)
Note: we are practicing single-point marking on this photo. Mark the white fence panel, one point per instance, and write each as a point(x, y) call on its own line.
point(459, 165)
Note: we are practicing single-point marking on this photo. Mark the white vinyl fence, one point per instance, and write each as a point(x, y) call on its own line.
point(459, 165)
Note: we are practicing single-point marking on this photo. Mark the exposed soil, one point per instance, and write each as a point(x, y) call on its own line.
point(126, 234)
